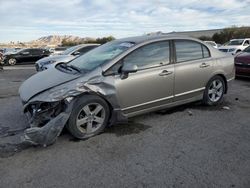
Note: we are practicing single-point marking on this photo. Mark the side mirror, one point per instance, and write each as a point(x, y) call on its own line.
point(76, 53)
point(128, 68)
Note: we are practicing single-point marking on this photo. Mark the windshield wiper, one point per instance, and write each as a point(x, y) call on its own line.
point(69, 67)
point(75, 68)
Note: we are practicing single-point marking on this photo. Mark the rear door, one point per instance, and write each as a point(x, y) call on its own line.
point(193, 69)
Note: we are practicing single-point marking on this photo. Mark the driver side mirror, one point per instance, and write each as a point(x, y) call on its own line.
point(128, 68)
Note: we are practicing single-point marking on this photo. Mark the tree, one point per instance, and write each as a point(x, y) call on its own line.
point(103, 40)
point(205, 38)
point(231, 33)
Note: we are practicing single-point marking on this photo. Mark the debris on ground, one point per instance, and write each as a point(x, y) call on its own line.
point(226, 108)
point(190, 113)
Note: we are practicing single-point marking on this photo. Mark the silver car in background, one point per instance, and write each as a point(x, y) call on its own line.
point(64, 57)
point(122, 79)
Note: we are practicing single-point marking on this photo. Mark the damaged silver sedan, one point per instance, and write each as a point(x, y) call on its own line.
point(121, 79)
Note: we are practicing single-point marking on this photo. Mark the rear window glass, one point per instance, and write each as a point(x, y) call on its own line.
point(187, 50)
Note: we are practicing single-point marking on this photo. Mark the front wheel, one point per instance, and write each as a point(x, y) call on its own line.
point(12, 61)
point(89, 117)
point(214, 91)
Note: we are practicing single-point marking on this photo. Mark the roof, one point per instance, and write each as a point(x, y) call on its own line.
point(144, 38)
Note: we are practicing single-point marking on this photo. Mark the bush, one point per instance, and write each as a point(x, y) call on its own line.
point(103, 40)
point(231, 33)
point(205, 38)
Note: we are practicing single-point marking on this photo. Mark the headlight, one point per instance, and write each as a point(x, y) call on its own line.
point(231, 49)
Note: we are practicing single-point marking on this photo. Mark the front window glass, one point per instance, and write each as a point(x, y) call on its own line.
point(101, 55)
point(154, 54)
point(235, 42)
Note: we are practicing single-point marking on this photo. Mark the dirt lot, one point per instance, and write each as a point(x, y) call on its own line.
point(189, 146)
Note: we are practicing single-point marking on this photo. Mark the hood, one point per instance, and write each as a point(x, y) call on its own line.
point(229, 47)
point(42, 81)
point(243, 57)
point(56, 58)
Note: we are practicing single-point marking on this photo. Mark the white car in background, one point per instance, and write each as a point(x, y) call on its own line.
point(235, 46)
point(64, 57)
point(212, 43)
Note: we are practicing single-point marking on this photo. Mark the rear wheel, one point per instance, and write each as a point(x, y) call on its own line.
point(89, 117)
point(214, 91)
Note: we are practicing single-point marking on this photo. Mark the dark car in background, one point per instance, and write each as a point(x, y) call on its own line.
point(64, 57)
point(242, 63)
point(28, 55)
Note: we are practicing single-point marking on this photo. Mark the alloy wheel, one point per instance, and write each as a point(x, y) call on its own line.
point(90, 118)
point(215, 90)
point(12, 61)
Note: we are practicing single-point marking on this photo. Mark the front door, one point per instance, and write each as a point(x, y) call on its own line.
point(152, 85)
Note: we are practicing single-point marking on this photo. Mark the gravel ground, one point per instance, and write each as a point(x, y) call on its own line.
point(188, 146)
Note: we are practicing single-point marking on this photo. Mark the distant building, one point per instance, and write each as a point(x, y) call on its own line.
point(199, 33)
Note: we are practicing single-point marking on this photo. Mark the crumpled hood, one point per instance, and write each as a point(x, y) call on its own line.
point(42, 81)
point(57, 58)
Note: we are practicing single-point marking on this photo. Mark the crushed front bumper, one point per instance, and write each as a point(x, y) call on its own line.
point(47, 121)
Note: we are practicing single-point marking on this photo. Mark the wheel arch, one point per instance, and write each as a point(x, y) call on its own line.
point(98, 95)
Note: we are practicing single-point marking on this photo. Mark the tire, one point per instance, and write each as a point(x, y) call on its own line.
point(89, 117)
point(11, 61)
point(215, 89)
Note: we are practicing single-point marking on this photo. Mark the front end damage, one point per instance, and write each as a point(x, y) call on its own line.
point(47, 119)
point(49, 111)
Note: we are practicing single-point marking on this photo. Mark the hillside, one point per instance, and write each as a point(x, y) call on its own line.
point(57, 39)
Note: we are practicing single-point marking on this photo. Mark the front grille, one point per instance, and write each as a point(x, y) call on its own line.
point(224, 50)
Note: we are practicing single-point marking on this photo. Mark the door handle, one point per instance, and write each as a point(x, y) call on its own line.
point(203, 65)
point(165, 72)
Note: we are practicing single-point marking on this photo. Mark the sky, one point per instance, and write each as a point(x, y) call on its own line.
point(25, 20)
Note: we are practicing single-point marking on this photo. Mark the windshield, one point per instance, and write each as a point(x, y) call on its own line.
point(211, 43)
point(69, 50)
point(236, 42)
point(12, 50)
point(247, 49)
point(101, 55)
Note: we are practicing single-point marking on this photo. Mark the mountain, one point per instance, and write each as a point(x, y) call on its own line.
point(57, 39)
